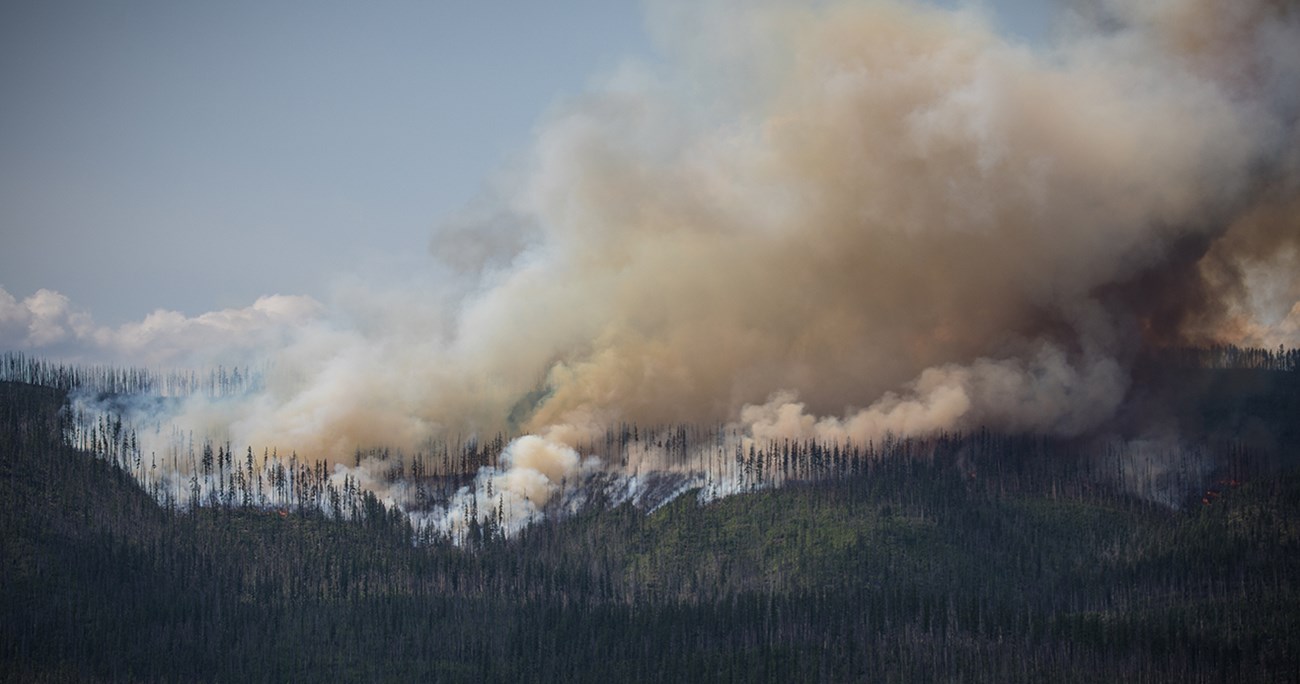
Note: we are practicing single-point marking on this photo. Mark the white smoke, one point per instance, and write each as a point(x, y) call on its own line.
point(532, 471)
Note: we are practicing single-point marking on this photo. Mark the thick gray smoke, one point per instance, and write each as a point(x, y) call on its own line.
point(837, 219)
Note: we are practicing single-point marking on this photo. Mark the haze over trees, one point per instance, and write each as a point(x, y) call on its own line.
point(982, 555)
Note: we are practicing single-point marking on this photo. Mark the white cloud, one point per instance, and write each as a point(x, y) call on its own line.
point(47, 322)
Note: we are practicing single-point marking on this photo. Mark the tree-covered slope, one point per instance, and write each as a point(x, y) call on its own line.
point(916, 571)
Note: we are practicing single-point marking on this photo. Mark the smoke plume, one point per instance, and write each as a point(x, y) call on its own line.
point(835, 219)
point(887, 206)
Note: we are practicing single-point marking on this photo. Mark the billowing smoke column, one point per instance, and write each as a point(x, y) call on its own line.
point(838, 220)
point(874, 205)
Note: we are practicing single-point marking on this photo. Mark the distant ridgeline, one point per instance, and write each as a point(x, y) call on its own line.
point(106, 379)
point(1226, 415)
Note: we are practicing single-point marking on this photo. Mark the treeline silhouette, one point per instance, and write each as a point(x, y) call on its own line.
point(221, 382)
point(108, 379)
point(1228, 357)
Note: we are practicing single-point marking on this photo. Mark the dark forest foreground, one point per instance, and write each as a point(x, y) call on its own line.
point(920, 571)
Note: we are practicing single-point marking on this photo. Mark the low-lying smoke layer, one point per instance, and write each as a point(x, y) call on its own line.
point(838, 220)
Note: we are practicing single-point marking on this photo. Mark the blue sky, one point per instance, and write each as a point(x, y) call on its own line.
point(194, 156)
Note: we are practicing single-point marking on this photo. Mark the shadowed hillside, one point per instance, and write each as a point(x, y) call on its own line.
point(918, 571)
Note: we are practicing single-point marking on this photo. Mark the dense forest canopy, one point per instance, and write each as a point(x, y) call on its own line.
point(978, 555)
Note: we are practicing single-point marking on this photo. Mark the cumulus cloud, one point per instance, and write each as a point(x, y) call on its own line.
point(44, 319)
point(48, 322)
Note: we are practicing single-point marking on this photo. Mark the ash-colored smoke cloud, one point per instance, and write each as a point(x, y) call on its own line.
point(874, 204)
point(883, 209)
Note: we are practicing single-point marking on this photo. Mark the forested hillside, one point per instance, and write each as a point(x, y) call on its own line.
point(991, 569)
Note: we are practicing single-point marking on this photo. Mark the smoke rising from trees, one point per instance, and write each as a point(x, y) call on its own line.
point(838, 219)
